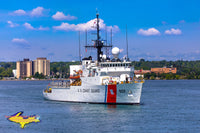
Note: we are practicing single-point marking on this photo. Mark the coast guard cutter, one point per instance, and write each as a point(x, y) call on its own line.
point(106, 81)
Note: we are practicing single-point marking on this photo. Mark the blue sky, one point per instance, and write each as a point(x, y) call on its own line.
point(157, 30)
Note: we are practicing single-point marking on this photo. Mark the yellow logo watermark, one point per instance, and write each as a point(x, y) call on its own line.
point(23, 120)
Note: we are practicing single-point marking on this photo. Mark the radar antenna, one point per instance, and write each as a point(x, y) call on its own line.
point(127, 43)
point(98, 44)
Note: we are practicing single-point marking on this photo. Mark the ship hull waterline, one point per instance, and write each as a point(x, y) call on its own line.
point(98, 94)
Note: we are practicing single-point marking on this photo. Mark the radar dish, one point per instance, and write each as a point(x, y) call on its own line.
point(115, 52)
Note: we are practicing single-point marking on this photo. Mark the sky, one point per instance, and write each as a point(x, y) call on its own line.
point(157, 30)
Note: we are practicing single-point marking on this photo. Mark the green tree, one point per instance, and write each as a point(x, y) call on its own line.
point(39, 76)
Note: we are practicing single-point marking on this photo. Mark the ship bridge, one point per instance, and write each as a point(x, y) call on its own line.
point(116, 69)
point(115, 64)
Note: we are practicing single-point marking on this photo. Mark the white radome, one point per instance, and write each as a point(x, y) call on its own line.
point(115, 52)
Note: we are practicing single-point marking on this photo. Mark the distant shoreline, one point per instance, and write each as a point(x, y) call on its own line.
point(36, 80)
point(68, 79)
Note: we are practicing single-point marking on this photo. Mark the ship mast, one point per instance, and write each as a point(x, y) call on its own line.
point(127, 43)
point(98, 43)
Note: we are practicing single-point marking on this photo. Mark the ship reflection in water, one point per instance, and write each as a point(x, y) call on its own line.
point(101, 108)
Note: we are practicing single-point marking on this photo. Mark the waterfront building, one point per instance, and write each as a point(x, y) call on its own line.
point(141, 72)
point(14, 73)
point(24, 68)
point(42, 65)
point(164, 70)
point(27, 68)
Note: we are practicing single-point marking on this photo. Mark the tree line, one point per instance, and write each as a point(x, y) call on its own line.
point(6, 69)
point(185, 69)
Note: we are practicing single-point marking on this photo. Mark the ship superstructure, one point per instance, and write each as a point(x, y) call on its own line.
point(109, 81)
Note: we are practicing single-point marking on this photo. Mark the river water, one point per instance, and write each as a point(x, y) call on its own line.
point(166, 106)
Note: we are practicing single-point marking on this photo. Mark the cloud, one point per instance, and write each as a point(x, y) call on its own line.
point(85, 26)
point(173, 32)
point(43, 28)
point(20, 42)
point(149, 32)
point(61, 16)
point(37, 11)
point(28, 26)
point(11, 24)
point(19, 12)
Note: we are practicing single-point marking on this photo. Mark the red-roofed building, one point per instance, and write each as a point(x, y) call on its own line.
point(164, 70)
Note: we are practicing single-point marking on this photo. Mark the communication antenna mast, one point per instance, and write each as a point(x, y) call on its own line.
point(111, 37)
point(98, 43)
point(106, 41)
point(127, 43)
point(85, 37)
point(79, 47)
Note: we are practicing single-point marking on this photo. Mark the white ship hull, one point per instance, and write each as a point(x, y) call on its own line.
point(106, 94)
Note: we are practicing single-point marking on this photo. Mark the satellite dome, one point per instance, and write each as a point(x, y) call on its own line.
point(115, 52)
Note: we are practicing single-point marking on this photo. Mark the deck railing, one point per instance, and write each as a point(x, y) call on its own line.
point(60, 84)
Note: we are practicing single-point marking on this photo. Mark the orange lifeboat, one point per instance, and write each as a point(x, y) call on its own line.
point(74, 77)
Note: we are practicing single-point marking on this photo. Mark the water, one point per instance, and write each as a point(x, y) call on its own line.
point(167, 106)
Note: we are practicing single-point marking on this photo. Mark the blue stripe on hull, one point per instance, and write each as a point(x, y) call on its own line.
point(105, 94)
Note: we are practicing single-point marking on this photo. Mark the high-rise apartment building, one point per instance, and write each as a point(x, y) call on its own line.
point(42, 65)
point(27, 68)
point(24, 68)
